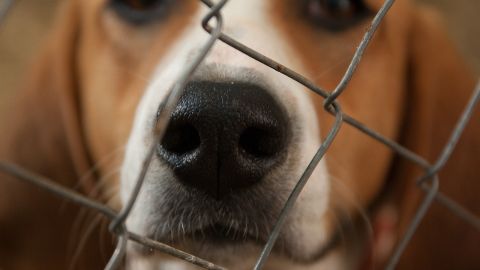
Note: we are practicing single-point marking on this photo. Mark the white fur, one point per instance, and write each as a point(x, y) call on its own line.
point(247, 21)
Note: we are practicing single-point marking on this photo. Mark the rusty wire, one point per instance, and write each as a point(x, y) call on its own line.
point(429, 182)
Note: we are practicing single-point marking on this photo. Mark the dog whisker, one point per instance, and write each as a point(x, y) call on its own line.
point(102, 182)
point(344, 223)
point(84, 213)
point(105, 159)
point(77, 227)
point(230, 226)
point(103, 231)
point(182, 227)
point(340, 189)
point(84, 216)
point(83, 240)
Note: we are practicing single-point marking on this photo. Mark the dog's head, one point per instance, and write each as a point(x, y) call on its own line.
point(241, 134)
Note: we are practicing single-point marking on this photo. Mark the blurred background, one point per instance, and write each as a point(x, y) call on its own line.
point(23, 30)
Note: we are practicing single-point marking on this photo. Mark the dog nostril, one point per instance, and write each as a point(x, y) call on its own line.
point(260, 143)
point(181, 139)
point(224, 137)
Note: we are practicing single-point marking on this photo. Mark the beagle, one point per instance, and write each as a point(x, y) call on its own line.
point(240, 137)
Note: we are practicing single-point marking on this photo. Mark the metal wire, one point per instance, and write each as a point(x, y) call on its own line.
point(108, 212)
point(162, 122)
point(421, 211)
point(167, 109)
point(5, 8)
point(299, 186)
point(429, 182)
point(360, 51)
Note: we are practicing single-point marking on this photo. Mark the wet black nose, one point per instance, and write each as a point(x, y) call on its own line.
point(225, 136)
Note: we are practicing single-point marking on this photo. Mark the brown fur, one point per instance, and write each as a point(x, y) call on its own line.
point(442, 86)
point(52, 130)
point(411, 86)
point(43, 134)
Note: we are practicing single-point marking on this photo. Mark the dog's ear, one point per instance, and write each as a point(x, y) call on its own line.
point(43, 129)
point(42, 133)
point(440, 85)
point(44, 123)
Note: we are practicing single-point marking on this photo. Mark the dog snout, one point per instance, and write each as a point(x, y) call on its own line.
point(225, 136)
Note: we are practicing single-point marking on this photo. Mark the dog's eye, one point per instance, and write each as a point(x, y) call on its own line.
point(336, 15)
point(140, 11)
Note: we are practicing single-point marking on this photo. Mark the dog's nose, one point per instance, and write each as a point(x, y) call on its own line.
point(225, 136)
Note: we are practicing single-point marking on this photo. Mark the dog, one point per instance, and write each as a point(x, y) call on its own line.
point(241, 136)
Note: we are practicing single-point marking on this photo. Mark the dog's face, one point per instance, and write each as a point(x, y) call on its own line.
point(242, 134)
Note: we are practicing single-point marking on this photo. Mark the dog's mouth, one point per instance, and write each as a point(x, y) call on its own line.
point(215, 234)
point(198, 224)
point(221, 234)
point(240, 223)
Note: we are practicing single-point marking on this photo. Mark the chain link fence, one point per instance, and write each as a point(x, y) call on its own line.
point(213, 23)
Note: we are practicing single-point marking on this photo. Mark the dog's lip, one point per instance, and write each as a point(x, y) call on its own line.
point(215, 233)
point(221, 235)
point(218, 233)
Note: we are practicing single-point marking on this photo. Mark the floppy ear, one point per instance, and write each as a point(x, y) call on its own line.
point(42, 133)
point(440, 85)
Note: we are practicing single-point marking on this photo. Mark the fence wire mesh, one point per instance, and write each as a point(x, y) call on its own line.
point(429, 182)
